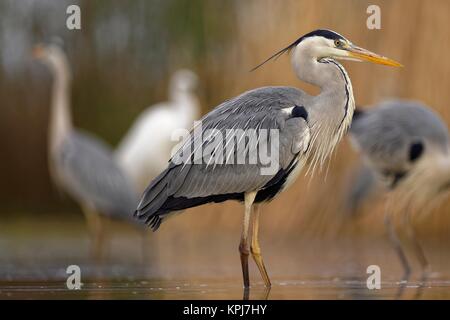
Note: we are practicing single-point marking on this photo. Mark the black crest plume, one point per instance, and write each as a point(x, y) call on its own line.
point(319, 33)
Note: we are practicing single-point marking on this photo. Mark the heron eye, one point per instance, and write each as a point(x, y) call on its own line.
point(337, 43)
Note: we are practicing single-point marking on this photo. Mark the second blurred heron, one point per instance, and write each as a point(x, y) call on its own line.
point(80, 164)
point(405, 148)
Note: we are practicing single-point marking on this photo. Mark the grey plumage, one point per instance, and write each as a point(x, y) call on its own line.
point(80, 164)
point(329, 115)
point(308, 128)
point(385, 134)
point(405, 147)
point(87, 171)
point(260, 108)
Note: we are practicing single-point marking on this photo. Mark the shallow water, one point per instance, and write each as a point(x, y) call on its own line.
point(34, 256)
point(216, 289)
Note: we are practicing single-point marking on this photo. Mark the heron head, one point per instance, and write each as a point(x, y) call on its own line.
point(324, 43)
point(184, 81)
point(329, 44)
point(51, 55)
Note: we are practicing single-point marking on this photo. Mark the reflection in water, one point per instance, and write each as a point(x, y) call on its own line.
point(218, 289)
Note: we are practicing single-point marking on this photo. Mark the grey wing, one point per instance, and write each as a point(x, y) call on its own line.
point(416, 120)
point(386, 133)
point(266, 113)
point(263, 112)
point(381, 141)
point(229, 172)
point(92, 176)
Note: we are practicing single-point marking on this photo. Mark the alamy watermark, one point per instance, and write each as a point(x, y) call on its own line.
point(213, 147)
point(374, 280)
point(73, 21)
point(73, 281)
point(374, 19)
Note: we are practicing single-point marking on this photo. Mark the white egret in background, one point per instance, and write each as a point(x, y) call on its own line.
point(146, 148)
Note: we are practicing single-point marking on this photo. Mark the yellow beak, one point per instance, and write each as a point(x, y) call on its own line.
point(38, 51)
point(363, 54)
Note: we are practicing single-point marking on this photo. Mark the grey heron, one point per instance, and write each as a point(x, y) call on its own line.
point(405, 150)
point(150, 136)
point(309, 128)
point(80, 164)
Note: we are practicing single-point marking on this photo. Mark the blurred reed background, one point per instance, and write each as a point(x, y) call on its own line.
point(123, 57)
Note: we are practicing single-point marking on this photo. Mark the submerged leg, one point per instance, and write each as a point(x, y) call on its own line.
point(397, 246)
point(256, 250)
point(418, 250)
point(243, 246)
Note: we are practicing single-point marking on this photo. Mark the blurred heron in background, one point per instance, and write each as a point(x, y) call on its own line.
point(146, 149)
point(308, 127)
point(79, 163)
point(405, 148)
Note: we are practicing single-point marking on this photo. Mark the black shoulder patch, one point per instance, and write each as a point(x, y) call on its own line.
point(415, 151)
point(299, 112)
point(320, 33)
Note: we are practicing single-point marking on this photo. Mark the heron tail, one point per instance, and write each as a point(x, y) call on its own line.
point(155, 195)
point(160, 200)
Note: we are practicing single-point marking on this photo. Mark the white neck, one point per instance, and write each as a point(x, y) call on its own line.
point(185, 102)
point(323, 75)
point(331, 111)
point(60, 117)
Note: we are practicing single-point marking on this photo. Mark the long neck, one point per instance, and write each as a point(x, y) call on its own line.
point(60, 117)
point(185, 102)
point(332, 109)
point(327, 74)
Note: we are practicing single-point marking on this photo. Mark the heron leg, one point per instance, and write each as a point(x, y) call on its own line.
point(397, 246)
point(420, 254)
point(246, 295)
point(256, 249)
point(144, 248)
point(96, 232)
point(418, 250)
point(149, 253)
point(243, 246)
